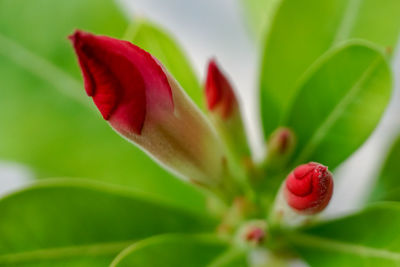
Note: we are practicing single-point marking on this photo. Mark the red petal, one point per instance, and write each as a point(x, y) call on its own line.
point(304, 169)
point(256, 234)
point(309, 188)
point(218, 91)
point(125, 82)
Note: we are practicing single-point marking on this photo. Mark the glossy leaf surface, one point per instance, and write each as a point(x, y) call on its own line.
point(171, 251)
point(76, 223)
point(387, 186)
point(302, 31)
point(367, 238)
point(259, 14)
point(339, 104)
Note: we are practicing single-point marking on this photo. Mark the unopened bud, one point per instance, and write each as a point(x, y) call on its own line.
point(225, 113)
point(309, 188)
point(219, 92)
point(256, 235)
point(144, 104)
point(252, 233)
point(280, 147)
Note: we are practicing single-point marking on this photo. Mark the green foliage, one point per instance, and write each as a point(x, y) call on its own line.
point(231, 258)
point(259, 14)
point(302, 31)
point(172, 251)
point(368, 238)
point(70, 222)
point(339, 103)
point(330, 91)
point(387, 186)
point(47, 121)
point(157, 42)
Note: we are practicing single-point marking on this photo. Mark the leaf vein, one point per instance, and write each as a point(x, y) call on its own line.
point(334, 115)
point(107, 248)
point(343, 247)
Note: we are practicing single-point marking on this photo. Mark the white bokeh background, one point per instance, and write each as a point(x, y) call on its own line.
point(216, 28)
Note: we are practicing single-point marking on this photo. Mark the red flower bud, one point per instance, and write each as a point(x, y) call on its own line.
point(144, 103)
point(255, 235)
point(280, 145)
point(309, 188)
point(252, 233)
point(126, 83)
point(225, 114)
point(219, 92)
point(283, 140)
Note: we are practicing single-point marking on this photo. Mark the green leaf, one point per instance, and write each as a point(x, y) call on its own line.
point(259, 14)
point(304, 30)
point(46, 119)
point(231, 258)
point(339, 103)
point(77, 223)
point(387, 186)
point(160, 44)
point(171, 250)
point(368, 238)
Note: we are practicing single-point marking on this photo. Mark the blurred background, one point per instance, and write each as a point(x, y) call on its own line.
point(220, 29)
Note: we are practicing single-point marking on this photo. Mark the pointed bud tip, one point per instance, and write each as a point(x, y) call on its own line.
point(255, 235)
point(284, 137)
point(252, 233)
point(309, 188)
point(219, 92)
point(75, 36)
point(100, 81)
point(282, 141)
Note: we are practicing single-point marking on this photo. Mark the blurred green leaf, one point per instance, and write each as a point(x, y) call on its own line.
point(387, 186)
point(339, 103)
point(46, 120)
point(77, 223)
point(160, 44)
point(231, 258)
point(171, 250)
point(368, 238)
point(259, 14)
point(302, 31)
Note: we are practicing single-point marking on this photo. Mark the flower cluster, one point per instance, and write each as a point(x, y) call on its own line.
point(144, 104)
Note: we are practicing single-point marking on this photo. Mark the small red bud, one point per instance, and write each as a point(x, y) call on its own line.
point(225, 114)
point(255, 235)
point(219, 92)
point(280, 145)
point(309, 188)
point(284, 138)
point(281, 142)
